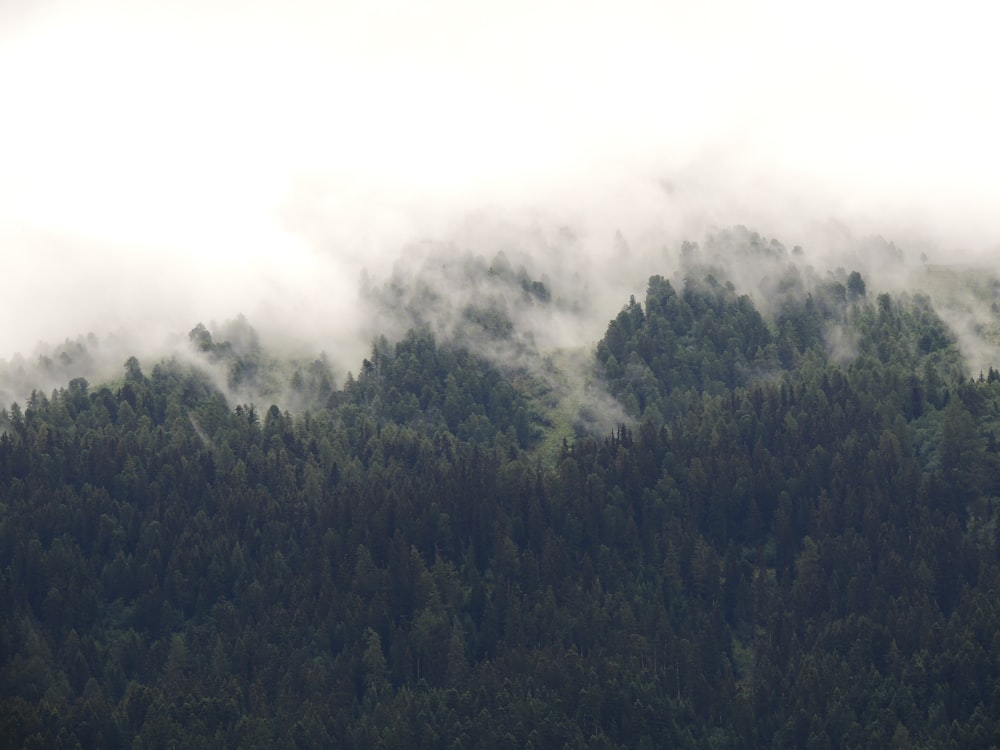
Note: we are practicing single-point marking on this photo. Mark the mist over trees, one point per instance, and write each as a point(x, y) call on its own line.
point(762, 512)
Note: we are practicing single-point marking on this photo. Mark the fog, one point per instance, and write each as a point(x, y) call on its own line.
point(169, 163)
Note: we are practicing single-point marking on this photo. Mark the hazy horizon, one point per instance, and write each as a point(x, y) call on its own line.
point(170, 163)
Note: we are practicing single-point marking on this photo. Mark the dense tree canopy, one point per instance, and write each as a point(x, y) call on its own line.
point(794, 543)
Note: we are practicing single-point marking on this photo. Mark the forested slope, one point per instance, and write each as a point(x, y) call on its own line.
point(792, 542)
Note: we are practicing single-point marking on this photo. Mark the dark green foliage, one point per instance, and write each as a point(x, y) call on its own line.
point(855, 285)
point(793, 546)
point(705, 339)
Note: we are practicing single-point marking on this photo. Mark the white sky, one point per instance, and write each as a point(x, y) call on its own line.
point(167, 162)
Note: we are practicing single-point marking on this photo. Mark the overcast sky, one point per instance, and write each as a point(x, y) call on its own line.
point(163, 163)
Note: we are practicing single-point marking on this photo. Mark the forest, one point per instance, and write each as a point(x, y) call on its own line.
point(782, 542)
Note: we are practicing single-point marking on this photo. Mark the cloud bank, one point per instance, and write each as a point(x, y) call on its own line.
point(170, 163)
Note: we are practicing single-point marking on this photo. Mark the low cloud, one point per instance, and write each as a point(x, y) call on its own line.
point(292, 149)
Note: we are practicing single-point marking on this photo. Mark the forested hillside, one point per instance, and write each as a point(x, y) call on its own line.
point(790, 540)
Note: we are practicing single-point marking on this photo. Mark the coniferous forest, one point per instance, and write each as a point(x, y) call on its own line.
point(781, 543)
